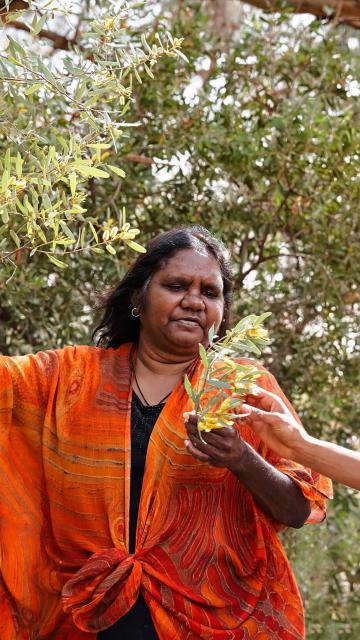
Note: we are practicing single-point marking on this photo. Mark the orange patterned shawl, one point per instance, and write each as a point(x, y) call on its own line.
point(208, 561)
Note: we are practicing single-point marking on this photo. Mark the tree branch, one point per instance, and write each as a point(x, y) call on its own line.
point(59, 41)
point(141, 159)
point(344, 12)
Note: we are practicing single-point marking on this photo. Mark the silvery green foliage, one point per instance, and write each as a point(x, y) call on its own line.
point(63, 125)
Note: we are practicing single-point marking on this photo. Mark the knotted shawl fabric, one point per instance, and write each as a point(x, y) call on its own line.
point(208, 560)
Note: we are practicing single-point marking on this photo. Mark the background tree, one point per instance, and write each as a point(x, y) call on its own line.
point(256, 137)
point(339, 11)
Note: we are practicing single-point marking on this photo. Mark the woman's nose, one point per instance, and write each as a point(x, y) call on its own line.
point(193, 301)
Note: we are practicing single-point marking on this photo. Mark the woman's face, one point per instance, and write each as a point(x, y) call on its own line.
point(183, 300)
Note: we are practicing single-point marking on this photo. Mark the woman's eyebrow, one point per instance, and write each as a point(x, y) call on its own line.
point(186, 279)
point(179, 279)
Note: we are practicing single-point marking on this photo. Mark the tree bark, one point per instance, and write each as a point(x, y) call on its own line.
point(59, 41)
point(344, 11)
point(14, 5)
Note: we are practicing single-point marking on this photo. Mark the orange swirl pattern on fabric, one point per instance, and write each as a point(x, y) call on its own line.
point(207, 560)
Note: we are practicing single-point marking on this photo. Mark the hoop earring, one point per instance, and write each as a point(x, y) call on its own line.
point(135, 312)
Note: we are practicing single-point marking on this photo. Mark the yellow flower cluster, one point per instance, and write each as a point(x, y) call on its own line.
point(13, 183)
point(257, 332)
point(178, 42)
point(157, 51)
point(114, 233)
point(16, 183)
point(110, 24)
point(218, 418)
point(103, 157)
point(251, 332)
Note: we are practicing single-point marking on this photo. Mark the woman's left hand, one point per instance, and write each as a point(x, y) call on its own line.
point(221, 447)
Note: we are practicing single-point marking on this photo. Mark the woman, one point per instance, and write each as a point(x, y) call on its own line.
point(95, 541)
point(269, 417)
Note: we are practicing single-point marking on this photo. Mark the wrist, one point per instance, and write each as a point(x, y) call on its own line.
point(303, 448)
point(243, 461)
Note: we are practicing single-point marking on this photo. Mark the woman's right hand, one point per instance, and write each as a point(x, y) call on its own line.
point(272, 421)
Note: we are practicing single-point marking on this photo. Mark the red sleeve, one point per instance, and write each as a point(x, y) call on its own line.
point(26, 383)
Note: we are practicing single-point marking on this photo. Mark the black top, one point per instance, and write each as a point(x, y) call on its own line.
point(137, 623)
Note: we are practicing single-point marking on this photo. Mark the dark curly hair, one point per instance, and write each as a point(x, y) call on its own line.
point(118, 326)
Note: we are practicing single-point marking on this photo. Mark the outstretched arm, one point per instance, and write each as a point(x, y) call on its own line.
point(274, 424)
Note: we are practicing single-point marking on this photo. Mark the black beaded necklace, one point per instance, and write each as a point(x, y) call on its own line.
point(132, 366)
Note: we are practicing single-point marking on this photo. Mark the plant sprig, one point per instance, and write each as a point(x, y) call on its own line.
point(225, 381)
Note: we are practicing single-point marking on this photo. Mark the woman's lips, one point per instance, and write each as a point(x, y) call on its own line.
point(189, 322)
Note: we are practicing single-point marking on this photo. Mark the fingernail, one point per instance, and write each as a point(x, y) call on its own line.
point(256, 390)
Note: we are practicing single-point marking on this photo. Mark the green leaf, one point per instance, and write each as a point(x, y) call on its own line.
point(92, 100)
point(92, 172)
point(47, 73)
point(15, 237)
point(14, 46)
point(219, 384)
point(56, 261)
point(203, 355)
point(64, 242)
point(149, 72)
point(243, 322)
point(21, 206)
point(211, 334)
point(5, 180)
point(72, 182)
point(110, 249)
point(99, 145)
point(93, 231)
point(41, 234)
point(260, 319)
point(38, 26)
point(181, 55)
point(18, 165)
point(46, 202)
point(145, 43)
point(213, 400)
point(7, 160)
point(137, 76)
point(67, 231)
point(14, 61)
point(117, 170)
point(34, 87)
point(82, 237)
point(5, 215)
point(252, 347)
point(188, 388)
point(135, 246)
point(170, 38)
point(52, 154)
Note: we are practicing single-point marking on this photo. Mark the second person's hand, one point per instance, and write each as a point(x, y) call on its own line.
point(272, 421)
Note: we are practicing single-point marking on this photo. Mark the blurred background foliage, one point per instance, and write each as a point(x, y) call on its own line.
point(257, 137)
